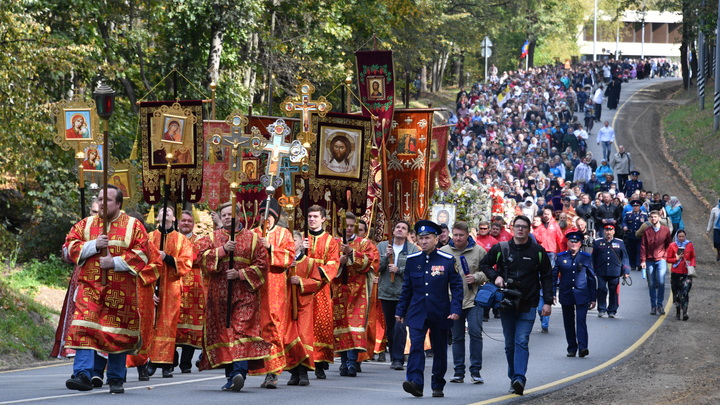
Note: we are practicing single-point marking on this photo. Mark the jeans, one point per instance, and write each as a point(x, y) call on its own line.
point(545, 320)
point(395, 332)
point(606, 149)
point(474, 326)
point(84, 363)
point(348, 358)
point(516, 329)
point(656, 281)
point(235, 368)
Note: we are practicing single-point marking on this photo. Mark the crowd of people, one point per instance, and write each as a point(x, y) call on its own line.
point(266, 300)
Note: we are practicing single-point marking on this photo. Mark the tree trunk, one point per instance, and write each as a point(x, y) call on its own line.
point(444, 58)
point(217, 32)
point(423, 78)
point(531, 54)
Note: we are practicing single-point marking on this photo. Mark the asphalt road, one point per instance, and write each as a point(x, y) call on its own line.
point(611, 341)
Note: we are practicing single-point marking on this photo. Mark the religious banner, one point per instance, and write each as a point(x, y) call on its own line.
point(339, 165)
point(439, 172)
point(174, 129)
point(126, 177)
point(217, 162)
point(406, 164)
point(376, 83)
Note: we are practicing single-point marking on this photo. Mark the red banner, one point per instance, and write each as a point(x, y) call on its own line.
point(376, 83)
point(406, 164)
point(439, 172)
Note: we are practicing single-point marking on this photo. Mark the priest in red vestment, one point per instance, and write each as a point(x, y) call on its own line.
point(350, 296)
point(106, 316)
point(323, 251)
point(278, 242)
point(235, 346)
point(306, 280)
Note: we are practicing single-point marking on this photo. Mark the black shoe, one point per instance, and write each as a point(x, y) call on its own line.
point(544, 330)
point(412, 388)
point(518, 386)
point(352, 371)
point(116, 387)
point(97, 382)
point(320, 373)
point(661, 311)
point(653, 311)
point(429, 353)
point(343, 371)
point(570, 354)
point(486, 319)
point(583, 352)
point(151, 368)
point(294, 380)
point(238, 382)
point(167, 372)
point(80, 382)
point(143, 373)
point(438, 394)
point(457, 378)
point(186, 371)
point(396, 365)
point(304, 380)
point(381, 357)
point(611, 315)
point(357, 367)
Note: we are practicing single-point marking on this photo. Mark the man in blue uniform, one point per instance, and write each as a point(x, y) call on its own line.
point(610, 261)
point(631, 223)
point(633, 184)
point(575, 282)
point(425, 304)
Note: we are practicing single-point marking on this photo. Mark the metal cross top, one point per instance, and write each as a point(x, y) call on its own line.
point(306, 107)
point(277, 147)
point(235, 140)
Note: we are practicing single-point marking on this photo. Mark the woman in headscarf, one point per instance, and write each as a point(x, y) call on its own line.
point(674, 211)
point(680, 254)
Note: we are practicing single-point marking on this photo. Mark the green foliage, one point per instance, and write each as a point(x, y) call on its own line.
point(25, 326)
point(52, 272)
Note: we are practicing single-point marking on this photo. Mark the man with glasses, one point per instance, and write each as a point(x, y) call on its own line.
point(484, 239)
point(523, 266)
point(574, 279)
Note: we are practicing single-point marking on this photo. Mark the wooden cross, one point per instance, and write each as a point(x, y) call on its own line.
point(306, 107)
point(235, 139)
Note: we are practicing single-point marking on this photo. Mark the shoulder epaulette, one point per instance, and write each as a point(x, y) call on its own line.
point(564, 253)
point(418, 253)
point(585, 254)
point(445, 254)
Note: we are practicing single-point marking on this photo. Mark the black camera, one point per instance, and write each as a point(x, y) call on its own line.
point(511, 299)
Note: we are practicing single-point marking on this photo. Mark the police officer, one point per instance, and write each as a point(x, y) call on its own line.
point(574, 280)
point(631, 223)
point(610, 261)
point(425, 304)
point(633, 184)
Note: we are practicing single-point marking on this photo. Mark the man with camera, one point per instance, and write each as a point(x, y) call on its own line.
point(523, 268)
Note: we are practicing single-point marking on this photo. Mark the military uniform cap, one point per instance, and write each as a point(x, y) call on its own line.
point(634, 173)
point(609, 226)
point(427, 227)
point(635, 203)
point(575, 236)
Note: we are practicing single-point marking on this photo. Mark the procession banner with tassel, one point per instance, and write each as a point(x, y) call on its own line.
point(376, 84)
point(406, 177)
point(172, 127)
point(439, 172)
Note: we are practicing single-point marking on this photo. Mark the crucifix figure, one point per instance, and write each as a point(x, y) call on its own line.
point(306, 107)
point(235, 140)
point(286, 170)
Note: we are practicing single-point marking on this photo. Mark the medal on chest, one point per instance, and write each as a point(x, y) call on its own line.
point(437, 271)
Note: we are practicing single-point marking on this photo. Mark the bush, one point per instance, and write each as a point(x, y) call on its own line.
point(52, 272)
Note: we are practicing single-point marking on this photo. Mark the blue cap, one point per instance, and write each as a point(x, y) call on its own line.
point(575, 236)
point(427, 227)
point(634, 173)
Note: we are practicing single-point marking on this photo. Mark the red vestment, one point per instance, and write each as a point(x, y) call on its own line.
point(242, 340)
point(274, 298)
point(350, 300)
point(146, 307)
point(299, 333)
point(192, 305)
point(375, 329)
point(106, 317)
point(324, 252)
point(162, 348)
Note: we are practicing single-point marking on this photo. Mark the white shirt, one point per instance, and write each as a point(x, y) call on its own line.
point(598, 97)
point(606, 134)
point(396, 252)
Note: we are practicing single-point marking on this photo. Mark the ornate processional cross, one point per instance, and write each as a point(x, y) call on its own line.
point(306, 107)
point(235, 140)
point(276, 148)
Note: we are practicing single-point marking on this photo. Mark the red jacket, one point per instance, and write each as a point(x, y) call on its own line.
point(549, 237)
point(653, 245)
point(689, 257)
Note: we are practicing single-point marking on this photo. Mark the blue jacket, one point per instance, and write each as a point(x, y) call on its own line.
point(424, 297)
point(675, 215)
point(610, 259)
point(574, 278)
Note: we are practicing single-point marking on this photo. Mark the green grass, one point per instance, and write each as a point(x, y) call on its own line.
point(25, 326)
point(693, 142)
point(52, 272)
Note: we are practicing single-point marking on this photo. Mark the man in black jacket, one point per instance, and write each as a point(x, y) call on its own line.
point(522, 266)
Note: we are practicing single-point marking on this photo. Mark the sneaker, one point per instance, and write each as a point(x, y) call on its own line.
point(343, 371)
point(457, 378)
point(570, 354)
point(237, 383)
point(396, 365)
point(477, 379)
point(167, 372)
point(518, 387)
point(116, 387)
point(227, 385)
point(271, 381)
point(653, 311)
point(601, 314)
point(438, 394)
point(545, 330)
point(381, 357)
point(80, 382)
point(97, 382)
point(661, 310)
point(352, 371)
point(611, 315)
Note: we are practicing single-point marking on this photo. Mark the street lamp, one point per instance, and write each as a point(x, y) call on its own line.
point(643, 14)
point(104, 98)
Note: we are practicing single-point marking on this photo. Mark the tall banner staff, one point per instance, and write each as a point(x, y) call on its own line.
point(104, 98)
